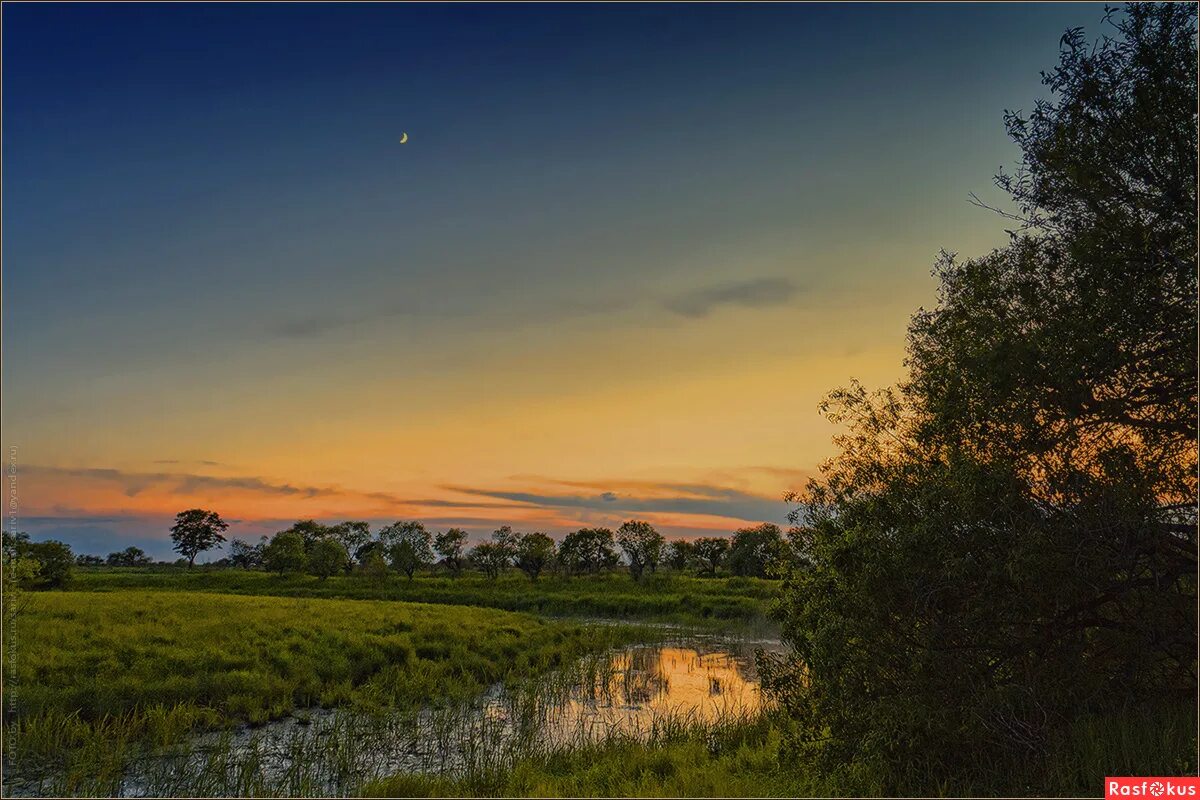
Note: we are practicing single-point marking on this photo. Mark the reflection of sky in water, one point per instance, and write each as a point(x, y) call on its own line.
point(631, 692)
point(671, 678)
point(642, 687)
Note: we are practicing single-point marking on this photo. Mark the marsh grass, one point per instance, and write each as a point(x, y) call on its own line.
point(102, 679)
point(749, 757)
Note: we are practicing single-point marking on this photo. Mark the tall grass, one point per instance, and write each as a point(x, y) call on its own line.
point(749, 758)
point(94, 676)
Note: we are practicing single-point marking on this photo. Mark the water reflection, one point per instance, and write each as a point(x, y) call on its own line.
point(639, 692)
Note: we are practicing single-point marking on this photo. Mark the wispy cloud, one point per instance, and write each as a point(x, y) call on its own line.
point(648, 497)
point(758, 293)
point(134, 483)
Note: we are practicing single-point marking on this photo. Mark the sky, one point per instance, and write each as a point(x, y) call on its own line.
point(623, 254)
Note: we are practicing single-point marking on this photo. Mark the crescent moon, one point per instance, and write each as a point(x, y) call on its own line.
point(403, 137)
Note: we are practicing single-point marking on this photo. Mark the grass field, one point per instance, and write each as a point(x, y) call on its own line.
point(92, 674)
point(665, 597)
point(133, 661)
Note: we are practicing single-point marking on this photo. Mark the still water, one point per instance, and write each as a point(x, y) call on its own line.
point(639, 691)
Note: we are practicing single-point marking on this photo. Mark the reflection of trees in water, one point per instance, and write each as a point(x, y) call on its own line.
point(644, 677)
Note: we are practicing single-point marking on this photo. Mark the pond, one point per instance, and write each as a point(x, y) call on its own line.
point(640, 691)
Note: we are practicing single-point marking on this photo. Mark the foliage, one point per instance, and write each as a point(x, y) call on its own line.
point(328, 557)
point(506, 539)
point(532, 553)
point(54, 560)
point(310, 532)
point(409, 546)
point(88, 560)
point(351, 535)
point(19, 572)
point(285, 553)
point(449, 545)
point(129, 557)
point(245, 555)
point(491, 558)
point(642, 544)
point(374, 567)
point(710, 552)
point(757, 551)
point(195, 531)
point(587, 550)
point(680, 554)
point(1007, 539)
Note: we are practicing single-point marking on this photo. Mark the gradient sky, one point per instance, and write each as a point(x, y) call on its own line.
point(624, 253)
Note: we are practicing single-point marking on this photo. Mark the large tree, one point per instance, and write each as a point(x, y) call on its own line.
point(327, 557)
point(1007, 538)
point(490, 558)
point(710, 553)
point(285, 553)
point(195, 531)
point(408, 545)
point(642, 544)
point(449, 545)
point(587, 550)
point(756, 552)
point(533, 552)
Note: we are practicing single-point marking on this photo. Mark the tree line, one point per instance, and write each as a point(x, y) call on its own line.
point(407, 547)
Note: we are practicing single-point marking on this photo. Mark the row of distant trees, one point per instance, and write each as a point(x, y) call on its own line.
point(408, 547)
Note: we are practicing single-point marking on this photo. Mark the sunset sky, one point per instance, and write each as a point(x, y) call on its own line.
point(622, 256)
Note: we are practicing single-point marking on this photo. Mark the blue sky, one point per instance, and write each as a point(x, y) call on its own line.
point(626, 247)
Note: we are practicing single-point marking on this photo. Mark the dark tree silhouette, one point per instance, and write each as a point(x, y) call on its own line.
point(195, 531)
point(1007, 539)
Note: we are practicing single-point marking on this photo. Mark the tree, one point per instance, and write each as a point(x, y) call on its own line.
point(506, 539)
point(1007, 540)
point(352, 535)
point(710, 553)
point(328, 556)
point(533, 552)
point(587, 550)
point(756, 552)
point(490, 558)
point(195, 531)
point(449, 545)
point(310, 531)
point(367, 549)
point(409, 546)
point(53, 559)
point(680, 554)
point(374, 567)
point(18, 574)
point(398, 531)
point(247, 556)
point(285, 553)
point(642, 545)
point(129, 557)
point(86, 560)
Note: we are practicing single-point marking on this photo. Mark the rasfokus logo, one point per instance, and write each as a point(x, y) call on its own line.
point(1185, 786)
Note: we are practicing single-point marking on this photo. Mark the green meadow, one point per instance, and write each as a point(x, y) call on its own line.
point(734, 602)
point(94, 676)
